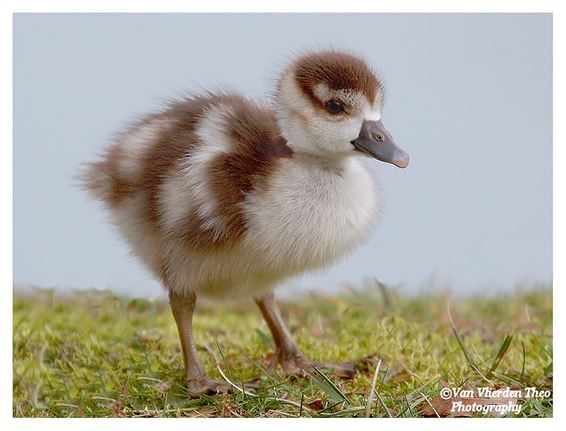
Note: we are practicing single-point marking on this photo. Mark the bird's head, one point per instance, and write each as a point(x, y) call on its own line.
point(329, 104)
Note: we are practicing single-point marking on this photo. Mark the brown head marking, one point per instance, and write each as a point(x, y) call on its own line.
point(338, 71)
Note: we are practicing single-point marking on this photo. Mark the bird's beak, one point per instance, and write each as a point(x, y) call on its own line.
point(377, 142)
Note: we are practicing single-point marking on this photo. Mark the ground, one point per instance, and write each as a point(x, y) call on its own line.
point(96, 354)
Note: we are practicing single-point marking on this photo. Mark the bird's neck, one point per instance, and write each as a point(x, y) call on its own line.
point(328, 163)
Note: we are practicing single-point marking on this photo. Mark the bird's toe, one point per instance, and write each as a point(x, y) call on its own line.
point(342, 369)
point(207, 386)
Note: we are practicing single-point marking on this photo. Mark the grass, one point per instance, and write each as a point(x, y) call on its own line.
point(95, 354)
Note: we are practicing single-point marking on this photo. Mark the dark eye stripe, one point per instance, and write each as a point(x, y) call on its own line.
point(334, 107)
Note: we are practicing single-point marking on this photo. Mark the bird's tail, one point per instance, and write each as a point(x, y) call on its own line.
point(96, 178)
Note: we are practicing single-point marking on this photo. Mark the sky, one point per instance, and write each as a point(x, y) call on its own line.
point(468, 96)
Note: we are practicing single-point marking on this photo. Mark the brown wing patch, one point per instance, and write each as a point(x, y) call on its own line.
point(256, 146)
point(339, 71)
point(175, 143)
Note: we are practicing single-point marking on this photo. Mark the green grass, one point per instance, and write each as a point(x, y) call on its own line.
point(97, 354)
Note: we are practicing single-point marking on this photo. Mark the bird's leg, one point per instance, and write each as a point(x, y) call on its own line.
point(287, 353)
point(183, 307)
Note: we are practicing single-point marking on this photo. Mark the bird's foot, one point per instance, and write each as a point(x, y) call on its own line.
point(342, 369)
point(349, 369)
point(295, 363)
point(206, 385)
point(291, 362)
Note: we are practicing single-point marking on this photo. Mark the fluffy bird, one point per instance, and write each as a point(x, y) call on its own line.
point(222, 197)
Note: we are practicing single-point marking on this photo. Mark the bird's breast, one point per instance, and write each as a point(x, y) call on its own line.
point(309, 215)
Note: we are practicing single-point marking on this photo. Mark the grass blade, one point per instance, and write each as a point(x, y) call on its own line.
point(384, 294)
point(524, 360)
point(467, 355)
point(502, 350)
point(372, 390)
point(328, 386)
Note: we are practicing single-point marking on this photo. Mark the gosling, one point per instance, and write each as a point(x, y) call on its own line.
point(222, 197)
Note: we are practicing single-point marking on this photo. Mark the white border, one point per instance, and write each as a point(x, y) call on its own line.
point(9, 7)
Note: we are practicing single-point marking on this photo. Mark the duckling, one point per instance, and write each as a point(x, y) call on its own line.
point(223, 197)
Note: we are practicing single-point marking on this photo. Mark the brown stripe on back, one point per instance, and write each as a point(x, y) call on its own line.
point(339, 71)
point(177, 142)
point(256, 147)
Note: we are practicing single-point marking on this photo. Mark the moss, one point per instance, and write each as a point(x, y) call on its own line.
point(97, 354)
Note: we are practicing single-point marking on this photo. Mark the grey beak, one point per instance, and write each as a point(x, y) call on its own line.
point(377, 142)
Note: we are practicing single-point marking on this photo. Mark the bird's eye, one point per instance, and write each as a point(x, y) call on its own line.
point(378, 137)
point(334, 107)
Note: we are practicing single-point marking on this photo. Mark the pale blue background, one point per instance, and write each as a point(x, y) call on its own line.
point(468, 96)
